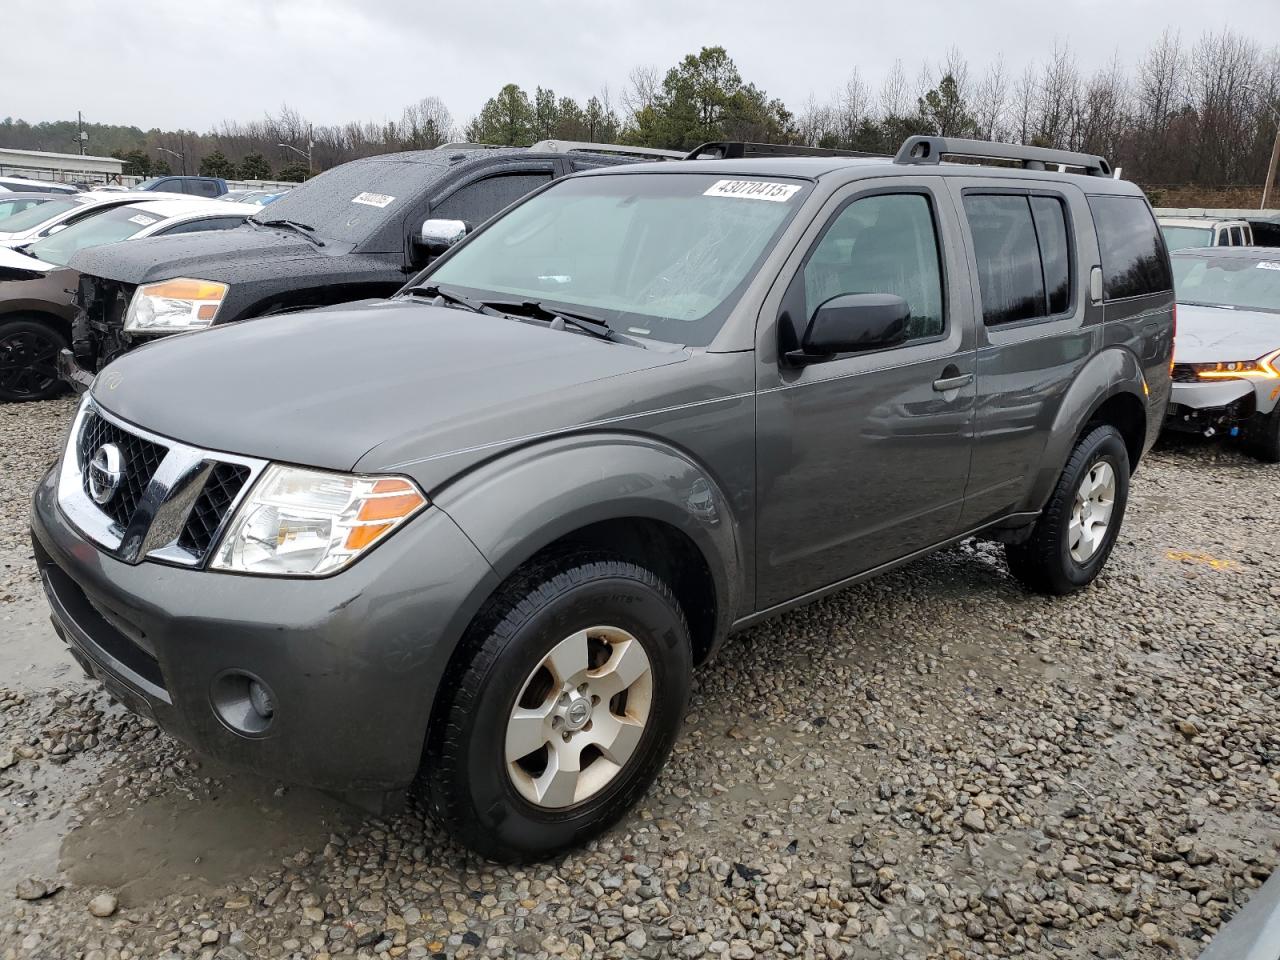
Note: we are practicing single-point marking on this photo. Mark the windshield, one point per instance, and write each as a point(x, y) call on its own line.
point(350, 202)
point(117, 223)
point(1222, 282)
point(653, 255)
point(1180, 238)
point(34, 216)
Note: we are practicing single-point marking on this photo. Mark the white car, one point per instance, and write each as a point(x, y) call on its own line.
point(1184, 233)
point(1226, 373)
point(35, 223)
point(37, 287)
point(27, 185)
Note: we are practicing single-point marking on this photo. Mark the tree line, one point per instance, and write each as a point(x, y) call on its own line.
point(1197, 112)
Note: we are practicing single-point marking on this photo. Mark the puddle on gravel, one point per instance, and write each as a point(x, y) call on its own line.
point(35, 659)
point(175, 844)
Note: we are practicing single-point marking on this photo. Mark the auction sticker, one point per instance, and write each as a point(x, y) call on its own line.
point(1268, 265)
point(752, 190)
point(141, 220)
point(372, 199)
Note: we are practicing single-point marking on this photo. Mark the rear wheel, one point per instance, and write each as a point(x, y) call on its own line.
point(28, 360)
point(1263, 437)
point(565, 710)
point(1071, 541)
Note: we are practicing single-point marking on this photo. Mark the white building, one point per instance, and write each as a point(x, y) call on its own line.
point(40, 165)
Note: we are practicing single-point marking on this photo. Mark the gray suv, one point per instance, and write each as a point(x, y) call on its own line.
point(480, 534)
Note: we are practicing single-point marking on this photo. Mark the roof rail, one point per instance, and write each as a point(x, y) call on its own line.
point(582, 146)
point(463, 145)
point(931, 150)
point(740, 149)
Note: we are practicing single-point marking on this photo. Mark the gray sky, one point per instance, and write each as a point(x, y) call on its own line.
point(160, 63)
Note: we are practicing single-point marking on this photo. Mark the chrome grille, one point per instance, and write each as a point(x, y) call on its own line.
point(225, 482)
point(141, 458)
point(172, 500)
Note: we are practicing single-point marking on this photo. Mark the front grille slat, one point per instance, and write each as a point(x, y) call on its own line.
point(225, 482)
point(141, 458)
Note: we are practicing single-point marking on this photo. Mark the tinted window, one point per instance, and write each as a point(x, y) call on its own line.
point(882, 244)
point(1237, 237)
point(1055, 253)
point(203, 188)
point(1134, 261)
point(477, 202)
point(199, 226)
point(1010, 278)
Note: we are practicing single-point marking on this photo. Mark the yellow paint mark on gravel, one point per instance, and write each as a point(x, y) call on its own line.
point(1203, 559)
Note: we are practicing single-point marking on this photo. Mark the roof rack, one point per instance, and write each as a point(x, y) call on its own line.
point(463, 145)
point(931, 150)
point(740, 149)
point(582, 146)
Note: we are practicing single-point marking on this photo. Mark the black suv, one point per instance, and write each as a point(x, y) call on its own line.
point(355, 231)
point(482, 532)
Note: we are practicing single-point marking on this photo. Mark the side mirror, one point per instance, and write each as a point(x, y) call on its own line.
point(439, 235)
point(853, 322)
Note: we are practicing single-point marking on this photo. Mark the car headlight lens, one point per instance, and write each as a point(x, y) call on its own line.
point(308, 523)
point(173, 306)
point(1265, 368)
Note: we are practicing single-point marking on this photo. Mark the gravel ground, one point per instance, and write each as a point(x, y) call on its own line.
point(933, 764)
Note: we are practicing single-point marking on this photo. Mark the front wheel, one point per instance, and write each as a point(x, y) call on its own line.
point(1072, 539)
point(576, 683)
point(1262, 439)
point(28, 360)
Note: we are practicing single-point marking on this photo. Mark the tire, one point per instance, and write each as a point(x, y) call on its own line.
point(28, 360)
point(1263, 438)
point(484, 797)
point(1049, 561)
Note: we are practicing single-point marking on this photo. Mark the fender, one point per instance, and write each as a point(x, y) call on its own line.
point(515, 505)
point(1112, 371)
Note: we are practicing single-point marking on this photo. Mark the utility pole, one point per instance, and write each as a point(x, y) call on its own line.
point(1275, 147)
point(80, 134)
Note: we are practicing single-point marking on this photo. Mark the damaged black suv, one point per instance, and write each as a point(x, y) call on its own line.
point(353, 232)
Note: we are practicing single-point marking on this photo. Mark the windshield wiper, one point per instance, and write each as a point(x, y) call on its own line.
point(558, 319)
point(306, 230)
point(443, 296)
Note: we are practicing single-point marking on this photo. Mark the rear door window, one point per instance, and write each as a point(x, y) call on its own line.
point(1023, 255)
point(1237, 237)
point(1134, 262)
point(204, 188)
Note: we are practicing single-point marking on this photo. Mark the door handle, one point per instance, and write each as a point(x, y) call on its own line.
point(953, 383)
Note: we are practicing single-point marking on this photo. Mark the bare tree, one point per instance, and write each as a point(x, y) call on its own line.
point(641, 90)
point(990, 102)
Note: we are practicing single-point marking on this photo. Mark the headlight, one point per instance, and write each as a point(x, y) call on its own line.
point(307, 523)
point(173, 306)
point(1264, 368)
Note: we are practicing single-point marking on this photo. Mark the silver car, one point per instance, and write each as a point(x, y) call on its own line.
point(1226, 374)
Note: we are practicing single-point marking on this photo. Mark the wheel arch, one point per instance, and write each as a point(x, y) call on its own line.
point(1110, 389)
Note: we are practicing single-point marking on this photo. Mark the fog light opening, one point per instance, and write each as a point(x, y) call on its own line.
point(244, 703)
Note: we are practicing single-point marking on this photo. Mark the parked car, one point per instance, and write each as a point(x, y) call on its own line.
point(485, 529)
point(1265, 229)
point(27, 185)
point(1227, 361)
point(11, 203)
point(354, 231)
point(1254, 932)
point(1182, 233)
point(36, 223)
point(209, 187)
point(37, 288)
point(260, 197)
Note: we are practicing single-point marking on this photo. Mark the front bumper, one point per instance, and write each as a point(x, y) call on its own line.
point(1211, 407)
point(353, 660)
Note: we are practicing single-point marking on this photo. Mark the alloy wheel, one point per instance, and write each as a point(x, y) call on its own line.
point(28, 363)
point(1091, 513)
point(579, 717)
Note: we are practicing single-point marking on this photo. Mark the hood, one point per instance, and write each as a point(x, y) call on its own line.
point(379, 385)
point(226, 255)
point(1215, 334)
point(18, 266)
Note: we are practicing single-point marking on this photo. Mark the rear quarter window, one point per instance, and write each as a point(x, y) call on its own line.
point(1134, 261)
